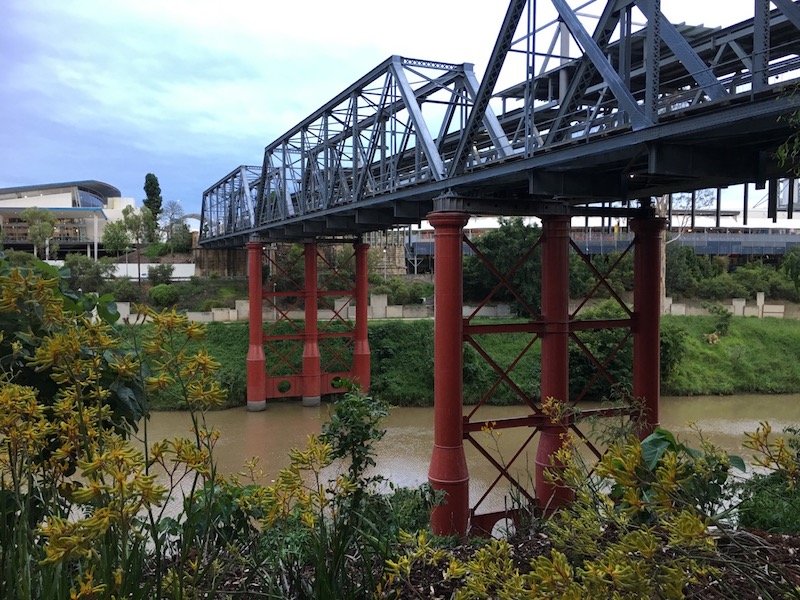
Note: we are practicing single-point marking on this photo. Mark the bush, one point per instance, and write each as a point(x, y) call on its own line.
point(122, 289)
point(772, 501)
point(164, 295)
point(721, 287)
point(402, 291)
point(156, 249)
point(158, 274)
point(87, 274)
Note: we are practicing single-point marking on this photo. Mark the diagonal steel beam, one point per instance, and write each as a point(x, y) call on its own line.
point(490, 121)
point(590, 48)
point(582, 77)
point(695, 66)
point(415, 112)
point(790, 10)
point(477, 115)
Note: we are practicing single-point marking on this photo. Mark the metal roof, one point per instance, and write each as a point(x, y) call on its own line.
point(104, 190)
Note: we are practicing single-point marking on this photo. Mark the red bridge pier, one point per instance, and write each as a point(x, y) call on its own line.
point(448, 470)
point(311, 382)
point(256, 365)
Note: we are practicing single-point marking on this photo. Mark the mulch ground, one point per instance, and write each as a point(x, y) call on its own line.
point(751, 565)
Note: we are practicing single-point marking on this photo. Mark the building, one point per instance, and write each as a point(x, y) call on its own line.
point(82, 210)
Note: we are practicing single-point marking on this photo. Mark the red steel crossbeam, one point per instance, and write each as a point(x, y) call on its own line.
point(503, 279)
point(503, 374)
point(602, 278)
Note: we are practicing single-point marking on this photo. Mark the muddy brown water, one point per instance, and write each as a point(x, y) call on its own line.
point(404, 453)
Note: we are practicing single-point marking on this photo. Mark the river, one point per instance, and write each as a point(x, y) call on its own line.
point(404, 453)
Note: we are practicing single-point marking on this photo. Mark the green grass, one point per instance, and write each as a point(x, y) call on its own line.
point(756, 356)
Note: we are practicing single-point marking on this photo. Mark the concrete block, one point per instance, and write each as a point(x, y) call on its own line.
point(774, 311)
point(752, 311)
point(378, 303)
point(395, 311)
point(678, 308)
point(487, 311)
point(759, 298)
point(124, 310)
point(199, 317)
point(220, 314)
point(233, 314)
point(415, 311)
point(350, 313)
point(503, 310)
point(737, 306)
point(242, 310)
point(339, 304)
point(324, 314)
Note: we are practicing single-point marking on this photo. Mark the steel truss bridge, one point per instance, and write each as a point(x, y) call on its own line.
point(645, 108)
point(642, 111)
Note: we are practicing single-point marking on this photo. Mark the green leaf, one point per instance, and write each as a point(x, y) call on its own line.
point(737, 462)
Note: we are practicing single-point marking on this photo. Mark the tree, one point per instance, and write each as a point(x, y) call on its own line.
point(153, 202)
point(173, 226)
point(116, 237)
point(503, 247)
point(791, 266)
point(41, 227)
point(139, 224)
point(181, 240)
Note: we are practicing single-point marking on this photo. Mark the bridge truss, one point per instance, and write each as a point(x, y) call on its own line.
point(609, 111)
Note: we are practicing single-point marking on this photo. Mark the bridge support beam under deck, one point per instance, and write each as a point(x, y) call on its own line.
point(554, 356)
point(312, 372)
point(647, 317)
point(256, 368)
point(448, 468)
point(361, 355)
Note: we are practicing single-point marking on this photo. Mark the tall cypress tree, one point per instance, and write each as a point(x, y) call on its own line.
point(153, 192)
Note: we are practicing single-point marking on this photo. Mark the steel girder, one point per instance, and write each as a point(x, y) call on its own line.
point(228, 204)
point(410, 130)
point(375, 137)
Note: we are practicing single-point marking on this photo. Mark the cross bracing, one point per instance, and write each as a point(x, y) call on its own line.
point(619, 106)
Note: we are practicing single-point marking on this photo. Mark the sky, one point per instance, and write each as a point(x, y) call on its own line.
point(189, 89)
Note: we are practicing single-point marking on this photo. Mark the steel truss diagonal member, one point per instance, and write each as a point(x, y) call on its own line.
point(623, 95)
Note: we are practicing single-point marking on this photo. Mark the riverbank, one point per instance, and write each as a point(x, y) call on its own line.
point(754, 356)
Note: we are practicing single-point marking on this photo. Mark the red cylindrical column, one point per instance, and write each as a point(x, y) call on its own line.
point(312, 372)
point(256, 368)
point(361, 356)
point(555, 353)
point(647, 318)
point(448, 469)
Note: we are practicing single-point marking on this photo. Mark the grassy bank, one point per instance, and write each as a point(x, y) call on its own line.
point(755, 356)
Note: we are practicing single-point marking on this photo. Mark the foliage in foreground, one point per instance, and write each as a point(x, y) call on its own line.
point(85, 510)
point(651, 522)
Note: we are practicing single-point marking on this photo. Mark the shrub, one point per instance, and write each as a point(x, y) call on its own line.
point(87, 274)
point(164, 295)
point(122, 289)
point(721, 287)
point(156, 249)
point(772, 501)
point(160, 274)
point(722, 317)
